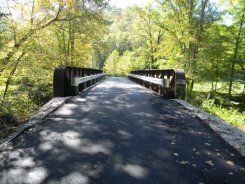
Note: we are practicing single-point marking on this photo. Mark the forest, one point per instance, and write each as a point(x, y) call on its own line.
point(203, 37)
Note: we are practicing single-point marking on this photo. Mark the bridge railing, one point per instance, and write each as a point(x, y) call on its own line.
point(169, 83)
point(68, 81)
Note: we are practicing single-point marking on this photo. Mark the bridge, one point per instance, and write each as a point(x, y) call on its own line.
point(119, 130)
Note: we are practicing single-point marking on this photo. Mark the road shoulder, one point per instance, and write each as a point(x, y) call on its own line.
point(232, 135)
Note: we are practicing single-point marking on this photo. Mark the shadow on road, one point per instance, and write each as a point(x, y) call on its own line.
point(119, 132)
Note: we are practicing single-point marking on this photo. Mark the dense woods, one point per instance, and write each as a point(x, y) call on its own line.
point(204, 37)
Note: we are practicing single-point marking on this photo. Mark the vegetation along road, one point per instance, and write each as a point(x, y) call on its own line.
point(120, 132)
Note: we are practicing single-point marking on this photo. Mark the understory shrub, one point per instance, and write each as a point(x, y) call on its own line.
point(18, 105)
point(231, 115)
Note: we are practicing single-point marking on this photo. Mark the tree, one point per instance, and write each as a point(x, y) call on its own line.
point(146, 29)
point(213, 63)
point(37, 36)
point(111, 63)
point(237, 10)
point(185, 23)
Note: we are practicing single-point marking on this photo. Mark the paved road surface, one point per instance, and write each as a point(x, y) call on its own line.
point(121, 133)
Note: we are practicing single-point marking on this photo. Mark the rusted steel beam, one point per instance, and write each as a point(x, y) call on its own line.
point(169, 83)
point(64, 76)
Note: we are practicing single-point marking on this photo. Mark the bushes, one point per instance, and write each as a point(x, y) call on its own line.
point(231, 115)
point(18, 105)
point(24, 97)
point(218, 105)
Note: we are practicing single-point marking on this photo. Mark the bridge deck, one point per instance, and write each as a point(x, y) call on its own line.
point(119, 132)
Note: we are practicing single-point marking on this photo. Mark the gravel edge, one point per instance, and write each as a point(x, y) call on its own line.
point(232, 135)
point(43, 112)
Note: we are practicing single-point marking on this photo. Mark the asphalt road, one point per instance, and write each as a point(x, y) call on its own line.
point(121, 133)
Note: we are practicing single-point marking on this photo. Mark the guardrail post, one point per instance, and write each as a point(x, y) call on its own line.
point(180, 84)
point(60, 88)
point(75, 85)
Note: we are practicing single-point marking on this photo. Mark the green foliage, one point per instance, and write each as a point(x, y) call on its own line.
point(217, 104)
point(221, 87)
point(116, 65)
point(37, 36)
point(231, 115)
point(18, 105)
point(167, 34)
point(129, 61)
point(208, 104)
point(111, 64)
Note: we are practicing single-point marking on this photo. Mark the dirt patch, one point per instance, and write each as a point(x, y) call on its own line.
point(8, 125)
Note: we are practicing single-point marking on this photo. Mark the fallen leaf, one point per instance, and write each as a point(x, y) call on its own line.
point(184, 162)
point(210, 163)
point(207, 144)
point(230, 162)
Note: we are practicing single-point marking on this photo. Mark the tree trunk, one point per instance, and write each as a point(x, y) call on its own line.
point(69, 39)
point(64, 43)
point(231, 79)
point(216, 83)
point(72, 44)
point(59, 42)
point(190, 85)
point(238, 39)
point(10, 77)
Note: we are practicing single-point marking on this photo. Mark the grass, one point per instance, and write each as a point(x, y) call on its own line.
point(222, 87)
point(231, 116)
point(216, 103)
